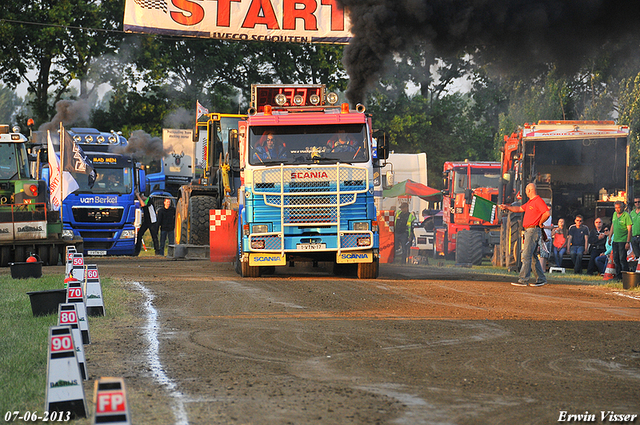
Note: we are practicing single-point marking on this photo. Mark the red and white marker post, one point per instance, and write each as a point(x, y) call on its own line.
point(110, 398)
point(64, 392)
point(68, 316)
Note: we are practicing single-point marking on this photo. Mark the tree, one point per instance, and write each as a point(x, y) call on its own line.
point(43, 45)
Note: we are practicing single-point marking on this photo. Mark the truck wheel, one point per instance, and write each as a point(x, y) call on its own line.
point(199, 207)
point(43, 254)
point(469, 247)
point(368, 270)
point(463, 255)
point(476, 247)
point(5, 256)
point(513, 242)
point(250, 271)
point(20, 254)
point(54, 253)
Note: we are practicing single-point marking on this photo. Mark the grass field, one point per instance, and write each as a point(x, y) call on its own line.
point(24, 342)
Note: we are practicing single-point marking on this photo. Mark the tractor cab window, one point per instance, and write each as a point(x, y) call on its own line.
point(460, 179)
point(13, 161)
point(484, 177)
point(308, 144)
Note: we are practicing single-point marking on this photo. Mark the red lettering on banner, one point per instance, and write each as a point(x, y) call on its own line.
point(223, 13)
point(253, 17)
point(337, 15)
point(192, 13)
point(291, 13)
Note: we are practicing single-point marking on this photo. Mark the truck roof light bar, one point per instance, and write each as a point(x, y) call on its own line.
point(332, 98)
point(344, 108)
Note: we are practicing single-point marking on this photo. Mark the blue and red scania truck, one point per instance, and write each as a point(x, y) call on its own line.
point(308, 193)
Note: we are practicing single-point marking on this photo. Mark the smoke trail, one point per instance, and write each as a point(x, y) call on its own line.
point(144, 147)
point(67, 112)
point(507, 33)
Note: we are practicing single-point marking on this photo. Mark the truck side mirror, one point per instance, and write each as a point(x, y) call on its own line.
point(389, 178)
point(383, 148)
point(234, 149)
point(142, 179)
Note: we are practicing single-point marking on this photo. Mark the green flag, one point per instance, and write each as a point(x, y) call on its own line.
point(483, 209)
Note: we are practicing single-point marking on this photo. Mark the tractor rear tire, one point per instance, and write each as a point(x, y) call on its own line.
point(199, 207)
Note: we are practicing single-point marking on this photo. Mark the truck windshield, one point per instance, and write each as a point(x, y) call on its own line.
point(485, 177)
point(480, 177)
point(308, 144)
point(13, 161)
point(108, 180)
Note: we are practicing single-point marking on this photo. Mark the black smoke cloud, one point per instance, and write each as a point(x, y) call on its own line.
point(144, 147)
point(67, 112)
point(512, 34)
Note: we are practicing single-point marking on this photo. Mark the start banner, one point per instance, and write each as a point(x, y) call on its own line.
point(297, 21)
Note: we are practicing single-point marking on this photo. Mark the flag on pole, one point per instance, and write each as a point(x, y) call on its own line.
point(483, 209)
point(75, 160)
point(58, 185)
point(200, 110)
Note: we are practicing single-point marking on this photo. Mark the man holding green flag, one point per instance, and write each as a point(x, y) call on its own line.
point(536, 213)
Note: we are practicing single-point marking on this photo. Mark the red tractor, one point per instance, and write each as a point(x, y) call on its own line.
point(469, 238)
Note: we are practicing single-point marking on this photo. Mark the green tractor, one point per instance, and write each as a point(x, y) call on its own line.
point(27, 225)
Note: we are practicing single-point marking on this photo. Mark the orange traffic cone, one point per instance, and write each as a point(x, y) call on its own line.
point(610, 270)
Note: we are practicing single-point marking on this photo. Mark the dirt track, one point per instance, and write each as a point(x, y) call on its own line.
point(303, 346)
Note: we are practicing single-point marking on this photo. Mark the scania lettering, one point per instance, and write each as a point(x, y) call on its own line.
point(104, 215)
point(307, 191)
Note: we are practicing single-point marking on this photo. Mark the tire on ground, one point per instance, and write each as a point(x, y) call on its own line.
point(250, 271)
point(5, 256)
point(43, 253)
point(199, 207)
point(368, 270)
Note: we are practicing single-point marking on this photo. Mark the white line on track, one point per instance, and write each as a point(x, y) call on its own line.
point(153, 355)
point(635, 297)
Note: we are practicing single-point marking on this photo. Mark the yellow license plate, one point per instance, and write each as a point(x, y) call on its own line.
point(264, 259)
point(355, 257)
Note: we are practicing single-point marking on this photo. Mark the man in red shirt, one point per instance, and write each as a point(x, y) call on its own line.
point(535, 214)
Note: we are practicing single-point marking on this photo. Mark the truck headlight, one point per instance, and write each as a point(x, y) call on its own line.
point(361, 225)
point(260, 228)
point(128, 234)
point(67, 234)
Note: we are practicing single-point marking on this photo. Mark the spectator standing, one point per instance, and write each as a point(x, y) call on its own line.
point(148, 223)
point(578, 243)
point(621, 225)
point(167, 223)
point(635, 227)
point(402, 229)
point(535, 215)
point(597, 241)
point(603, 259)
point(559, 236)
